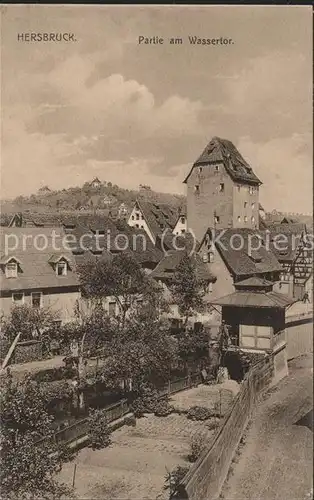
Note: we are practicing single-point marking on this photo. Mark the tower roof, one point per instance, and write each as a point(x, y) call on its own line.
point(222, 150)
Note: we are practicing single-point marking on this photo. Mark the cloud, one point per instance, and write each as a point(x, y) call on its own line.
point(284, 167)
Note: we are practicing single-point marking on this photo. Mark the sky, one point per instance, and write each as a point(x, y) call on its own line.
point(105, 105)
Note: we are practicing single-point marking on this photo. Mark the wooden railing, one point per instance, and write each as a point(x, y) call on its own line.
point(113, 412)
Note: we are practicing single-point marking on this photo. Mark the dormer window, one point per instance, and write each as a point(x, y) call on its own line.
point(11, 269)
point(61, 268)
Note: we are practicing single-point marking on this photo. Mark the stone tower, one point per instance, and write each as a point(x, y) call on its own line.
point(222, 190)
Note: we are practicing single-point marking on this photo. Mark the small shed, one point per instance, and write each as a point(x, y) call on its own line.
point(255, 315)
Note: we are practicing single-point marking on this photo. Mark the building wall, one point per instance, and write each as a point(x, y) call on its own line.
point(245, 206)
point(202, 205)
point(61, 302)
point(137, 219)
point(180, 227)
point(232, 205)
point(224, 283)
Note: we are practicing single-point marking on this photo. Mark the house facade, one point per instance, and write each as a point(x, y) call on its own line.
point(155, 219)
point(181, 223)
point(34, 272)
point(222, 190)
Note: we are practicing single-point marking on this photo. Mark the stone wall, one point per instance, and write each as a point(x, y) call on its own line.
point(207, 475)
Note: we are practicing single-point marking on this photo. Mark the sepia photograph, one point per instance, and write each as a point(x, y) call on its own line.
point(156, 252)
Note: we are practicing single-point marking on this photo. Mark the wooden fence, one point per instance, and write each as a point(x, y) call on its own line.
point(206, 477)
point(113, 412)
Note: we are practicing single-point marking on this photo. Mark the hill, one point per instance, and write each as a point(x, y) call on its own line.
point(91, 196)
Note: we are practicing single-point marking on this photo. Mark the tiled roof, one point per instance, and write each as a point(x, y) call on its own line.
point(158, 216)
point(222, 150)
point(34, 248)
point(254, 281)
point(167, 266)
point(255, 299)
point(289, 237)
point(233, 246)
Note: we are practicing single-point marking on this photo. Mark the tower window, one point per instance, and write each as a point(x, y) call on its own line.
point(245, 204)
point(239, 187)
point(239, 218)
point(217, 219)
point(245, 218)
point(196, 189)
point(253, 219)
point(221, 187)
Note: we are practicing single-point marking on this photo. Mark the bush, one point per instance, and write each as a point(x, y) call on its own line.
point(201, 413)
point(197, 445)
point(99, 431)
point(163, 408)
point(145, 402)
point(131, 421)
point(174, 478)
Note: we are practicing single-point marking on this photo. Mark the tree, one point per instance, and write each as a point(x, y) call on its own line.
point(120, 277)
point(29, 458)
point(31, 322)
point(193, 347)
point(188, 289)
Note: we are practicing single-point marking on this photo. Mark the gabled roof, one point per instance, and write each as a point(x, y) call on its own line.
point(34, 248)
point(255, 299)
point(158, 216)
point(285, 240)
point(167, 266)
point(55, 258)
point(222, 150)
point(238, 258)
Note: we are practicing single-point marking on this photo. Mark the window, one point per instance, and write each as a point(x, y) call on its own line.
point(137, 225)
point(132, 217)
point(251, 190)
point(239, 218)
point(18, 298)
point(245, 218)
point(210, 256)
point(11, 270)
point(239, 187)
point(245, 204)
point(221, 187)
point(196, 189)
point(182, 231)
point(253, 205)
point(200, 170)
point(216, 168)
point(182, 219)
point(142, 227)
point(217, 219)
point(112, 309)
point(253, 218)
point(210, 287)
point(36, 299)
point(61, 268)
point(137, 216)
point(205, 257)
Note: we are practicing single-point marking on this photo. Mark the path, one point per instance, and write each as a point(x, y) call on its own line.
point(276, 461)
